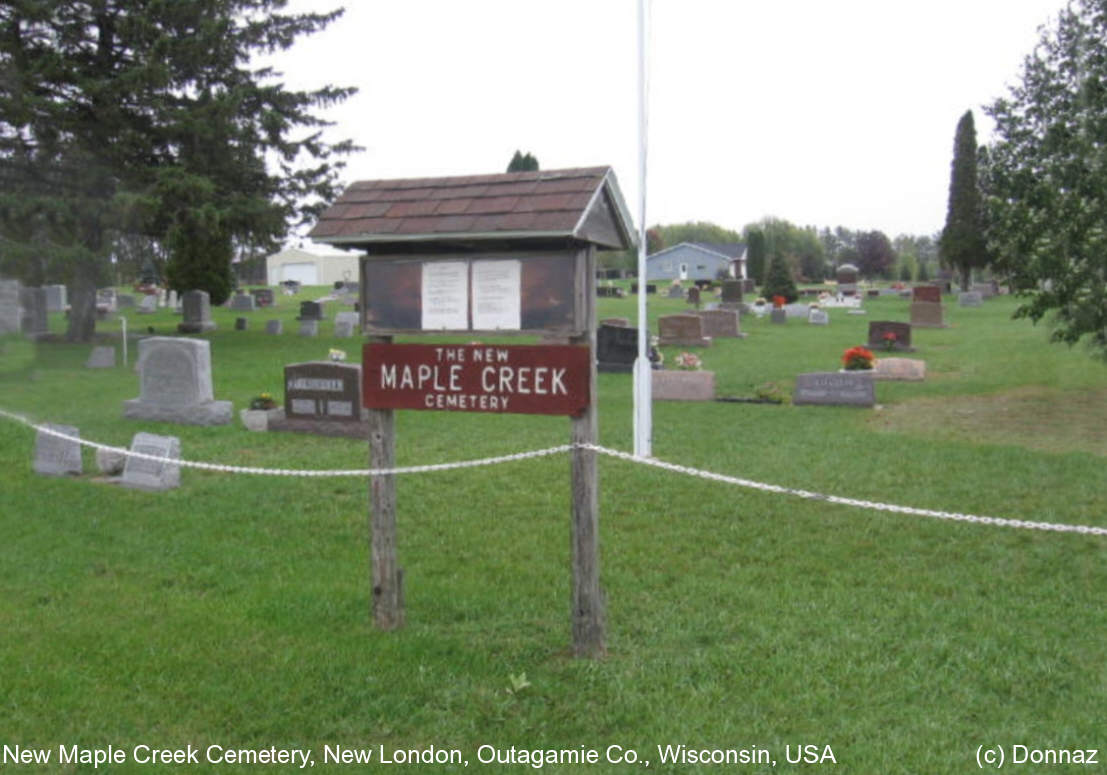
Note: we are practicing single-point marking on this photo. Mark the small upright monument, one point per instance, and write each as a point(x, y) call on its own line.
point(197, 313)
point(175, 379)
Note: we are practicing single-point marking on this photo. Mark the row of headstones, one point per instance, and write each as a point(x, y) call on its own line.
point(60, 455)
point(345, 325)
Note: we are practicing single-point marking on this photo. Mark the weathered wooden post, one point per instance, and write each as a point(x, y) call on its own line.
point(490, 255)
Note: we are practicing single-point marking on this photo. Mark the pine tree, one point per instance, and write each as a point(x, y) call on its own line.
point(962, 244)
point(778, 280)
point(144, 117)
point(521, 162)
point(755, 255)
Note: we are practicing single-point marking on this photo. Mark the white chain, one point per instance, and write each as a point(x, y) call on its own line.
point(488, 461)
point(863, 504)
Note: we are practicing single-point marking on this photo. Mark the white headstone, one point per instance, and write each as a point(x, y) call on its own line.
point(175, 383)
point(345, 324)
point(818, 317)
point(101, 358)
point(148, 304)
point(142, 473)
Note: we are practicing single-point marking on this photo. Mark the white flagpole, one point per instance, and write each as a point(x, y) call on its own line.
point(643, 394)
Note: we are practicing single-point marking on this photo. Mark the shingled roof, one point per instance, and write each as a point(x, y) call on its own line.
point(574, 205)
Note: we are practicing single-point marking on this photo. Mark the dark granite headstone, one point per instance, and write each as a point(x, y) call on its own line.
point(879, 329)
point(263, 297)
point(240, 324)
point(310, 310)
point(931, 293)
point(616, 348)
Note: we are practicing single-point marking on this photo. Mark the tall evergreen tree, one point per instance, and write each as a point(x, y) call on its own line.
point(962, 245)
point(145, 117)
point(755, 255)
point(522, 162)
point(778, 280)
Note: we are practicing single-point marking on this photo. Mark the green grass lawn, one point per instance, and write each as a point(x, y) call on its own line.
point(234, 611)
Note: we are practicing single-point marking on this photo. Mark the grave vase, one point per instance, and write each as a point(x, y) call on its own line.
point(257, 419)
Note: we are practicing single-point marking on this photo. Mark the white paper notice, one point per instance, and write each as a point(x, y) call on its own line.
point(445, 295)
point(497, 295)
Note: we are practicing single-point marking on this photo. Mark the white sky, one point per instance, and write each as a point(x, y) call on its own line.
point(823, 112)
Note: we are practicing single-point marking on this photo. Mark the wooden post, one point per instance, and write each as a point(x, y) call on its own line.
point(387, 578)
point(588, 615)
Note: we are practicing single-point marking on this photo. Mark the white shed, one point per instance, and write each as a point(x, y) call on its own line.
point(309, 267)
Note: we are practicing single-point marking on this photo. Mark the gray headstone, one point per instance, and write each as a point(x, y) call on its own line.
point(263, 297)
point(676, 292)
point(55, 456)
point(970, 299)
point(309, 328)
point(274, 326)
point(345, 324)
point(173, 302)
point(778, 315)
point(145, 474)
point(835, 389)
point(106, 299)
point(197, 313)
point(175, 379)
point(11, 311)
point(101, 358)
point(148, 305)
point(124, 301)
point(797, 310)
point(56, 300)
point(818, 317)
point(242, 302)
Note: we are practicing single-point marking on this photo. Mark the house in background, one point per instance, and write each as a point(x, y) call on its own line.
point(697, 261)
point(306, 266)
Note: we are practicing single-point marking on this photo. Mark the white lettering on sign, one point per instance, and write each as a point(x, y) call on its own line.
point(308, 383)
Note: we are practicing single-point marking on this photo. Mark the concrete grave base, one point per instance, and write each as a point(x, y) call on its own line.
point(207, 413)
point(278, 421)
point(683, 385)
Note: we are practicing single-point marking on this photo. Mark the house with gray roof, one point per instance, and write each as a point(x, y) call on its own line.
point(697, 261)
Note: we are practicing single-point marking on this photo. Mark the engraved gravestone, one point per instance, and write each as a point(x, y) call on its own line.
point(830, 388)
point(931, 293)
point(240, 324)
point(890, 335)
point(682, 330)
point(175, 383)
point(732, 292)
point(675, 292)
point(970, 299)
point(197, 313)
point(927, 314)
point(124, 301)
point(818, 317)
point(719, 323)
point(144, 473)
point(322, 390)
point(11, 314)
point(778, 315)
point(309, 328)
point(106, 299)
point(148, 305)
point(263, 297)
point(55, 456)
point(274, 326)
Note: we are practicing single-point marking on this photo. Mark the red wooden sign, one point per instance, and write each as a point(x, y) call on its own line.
point(523, 379)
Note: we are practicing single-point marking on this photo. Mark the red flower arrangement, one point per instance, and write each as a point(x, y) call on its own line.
point(889, 340)
point(779, 301)
point(857, 359)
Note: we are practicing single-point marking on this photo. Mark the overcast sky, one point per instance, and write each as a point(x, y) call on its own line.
point(823, 112)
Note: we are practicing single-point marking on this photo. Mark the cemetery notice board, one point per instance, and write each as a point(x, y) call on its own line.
point(523, 379)
point(503, 255)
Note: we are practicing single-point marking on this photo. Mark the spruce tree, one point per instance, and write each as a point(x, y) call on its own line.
point(755, 255)
point(145, 117)
point(962, 244)
point(778, 280)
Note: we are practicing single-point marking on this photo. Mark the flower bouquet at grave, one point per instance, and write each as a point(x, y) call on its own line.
point(858, 359)
point(779, 302)
point(263, 401)
point(889, 340)
point(337, 355)
point(688, 362)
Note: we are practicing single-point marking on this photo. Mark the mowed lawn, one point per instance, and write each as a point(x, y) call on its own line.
point(234, 611)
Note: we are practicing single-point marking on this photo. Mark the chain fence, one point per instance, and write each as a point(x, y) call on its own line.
point(616, 454)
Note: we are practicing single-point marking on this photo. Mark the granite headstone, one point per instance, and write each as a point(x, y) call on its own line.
point(175, 383)
point(143, 473)
point(55, 456)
